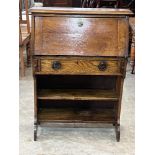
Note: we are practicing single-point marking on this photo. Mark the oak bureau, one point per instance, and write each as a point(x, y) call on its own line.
point(79, 64)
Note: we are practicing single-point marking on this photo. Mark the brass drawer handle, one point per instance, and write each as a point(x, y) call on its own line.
point(56, 65)
point(102, 66)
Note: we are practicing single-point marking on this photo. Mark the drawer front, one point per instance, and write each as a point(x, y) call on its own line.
point(79, 66)
point(81, 36)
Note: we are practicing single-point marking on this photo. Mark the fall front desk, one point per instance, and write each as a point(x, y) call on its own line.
point(79, 64)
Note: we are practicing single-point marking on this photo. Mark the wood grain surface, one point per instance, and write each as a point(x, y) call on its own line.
point(77, 94)
point(79, 66)
point(79, 59)
point(70, 115)
point(81, 11)
point(81, 36)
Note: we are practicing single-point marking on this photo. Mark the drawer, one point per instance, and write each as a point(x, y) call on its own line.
point(79, 66)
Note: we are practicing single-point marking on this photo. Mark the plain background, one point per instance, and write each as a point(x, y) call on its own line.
point(145, 77)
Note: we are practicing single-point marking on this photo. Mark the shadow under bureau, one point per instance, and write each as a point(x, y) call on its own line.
point(79, 64)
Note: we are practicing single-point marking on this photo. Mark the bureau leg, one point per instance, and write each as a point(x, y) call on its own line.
point(35, 131)
point(117, 129)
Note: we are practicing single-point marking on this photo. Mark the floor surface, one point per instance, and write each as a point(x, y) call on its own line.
point(76, 141)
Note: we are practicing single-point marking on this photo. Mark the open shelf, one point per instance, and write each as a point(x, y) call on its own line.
point(70, 115)
point(76, 98)
point(77, 94)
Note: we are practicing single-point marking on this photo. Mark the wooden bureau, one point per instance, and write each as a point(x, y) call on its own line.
point(79, 64)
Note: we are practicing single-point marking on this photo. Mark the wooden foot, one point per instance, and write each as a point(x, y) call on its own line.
point(117, 129)
point(35, 131)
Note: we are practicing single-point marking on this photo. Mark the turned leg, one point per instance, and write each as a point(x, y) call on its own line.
point(35, 131)
point(117, 129)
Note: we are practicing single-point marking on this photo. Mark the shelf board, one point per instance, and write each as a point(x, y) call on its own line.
point(77, 94)
point(69, 115)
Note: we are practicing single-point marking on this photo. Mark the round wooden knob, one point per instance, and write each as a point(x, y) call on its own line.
point(56, 65)
point(102, 66)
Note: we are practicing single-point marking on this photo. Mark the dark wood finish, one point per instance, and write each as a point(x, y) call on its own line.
point(90, 3)
point(60, 3)
point(68, 115)
point(57, 3)
point(100, 3)
point(76, 82)
point(129, 4)
point(78, 68)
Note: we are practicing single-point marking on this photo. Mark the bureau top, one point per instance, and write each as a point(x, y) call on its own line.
point(80, 11)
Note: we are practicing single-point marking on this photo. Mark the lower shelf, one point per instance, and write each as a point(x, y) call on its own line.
point(77, 94)
point(70, 115)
